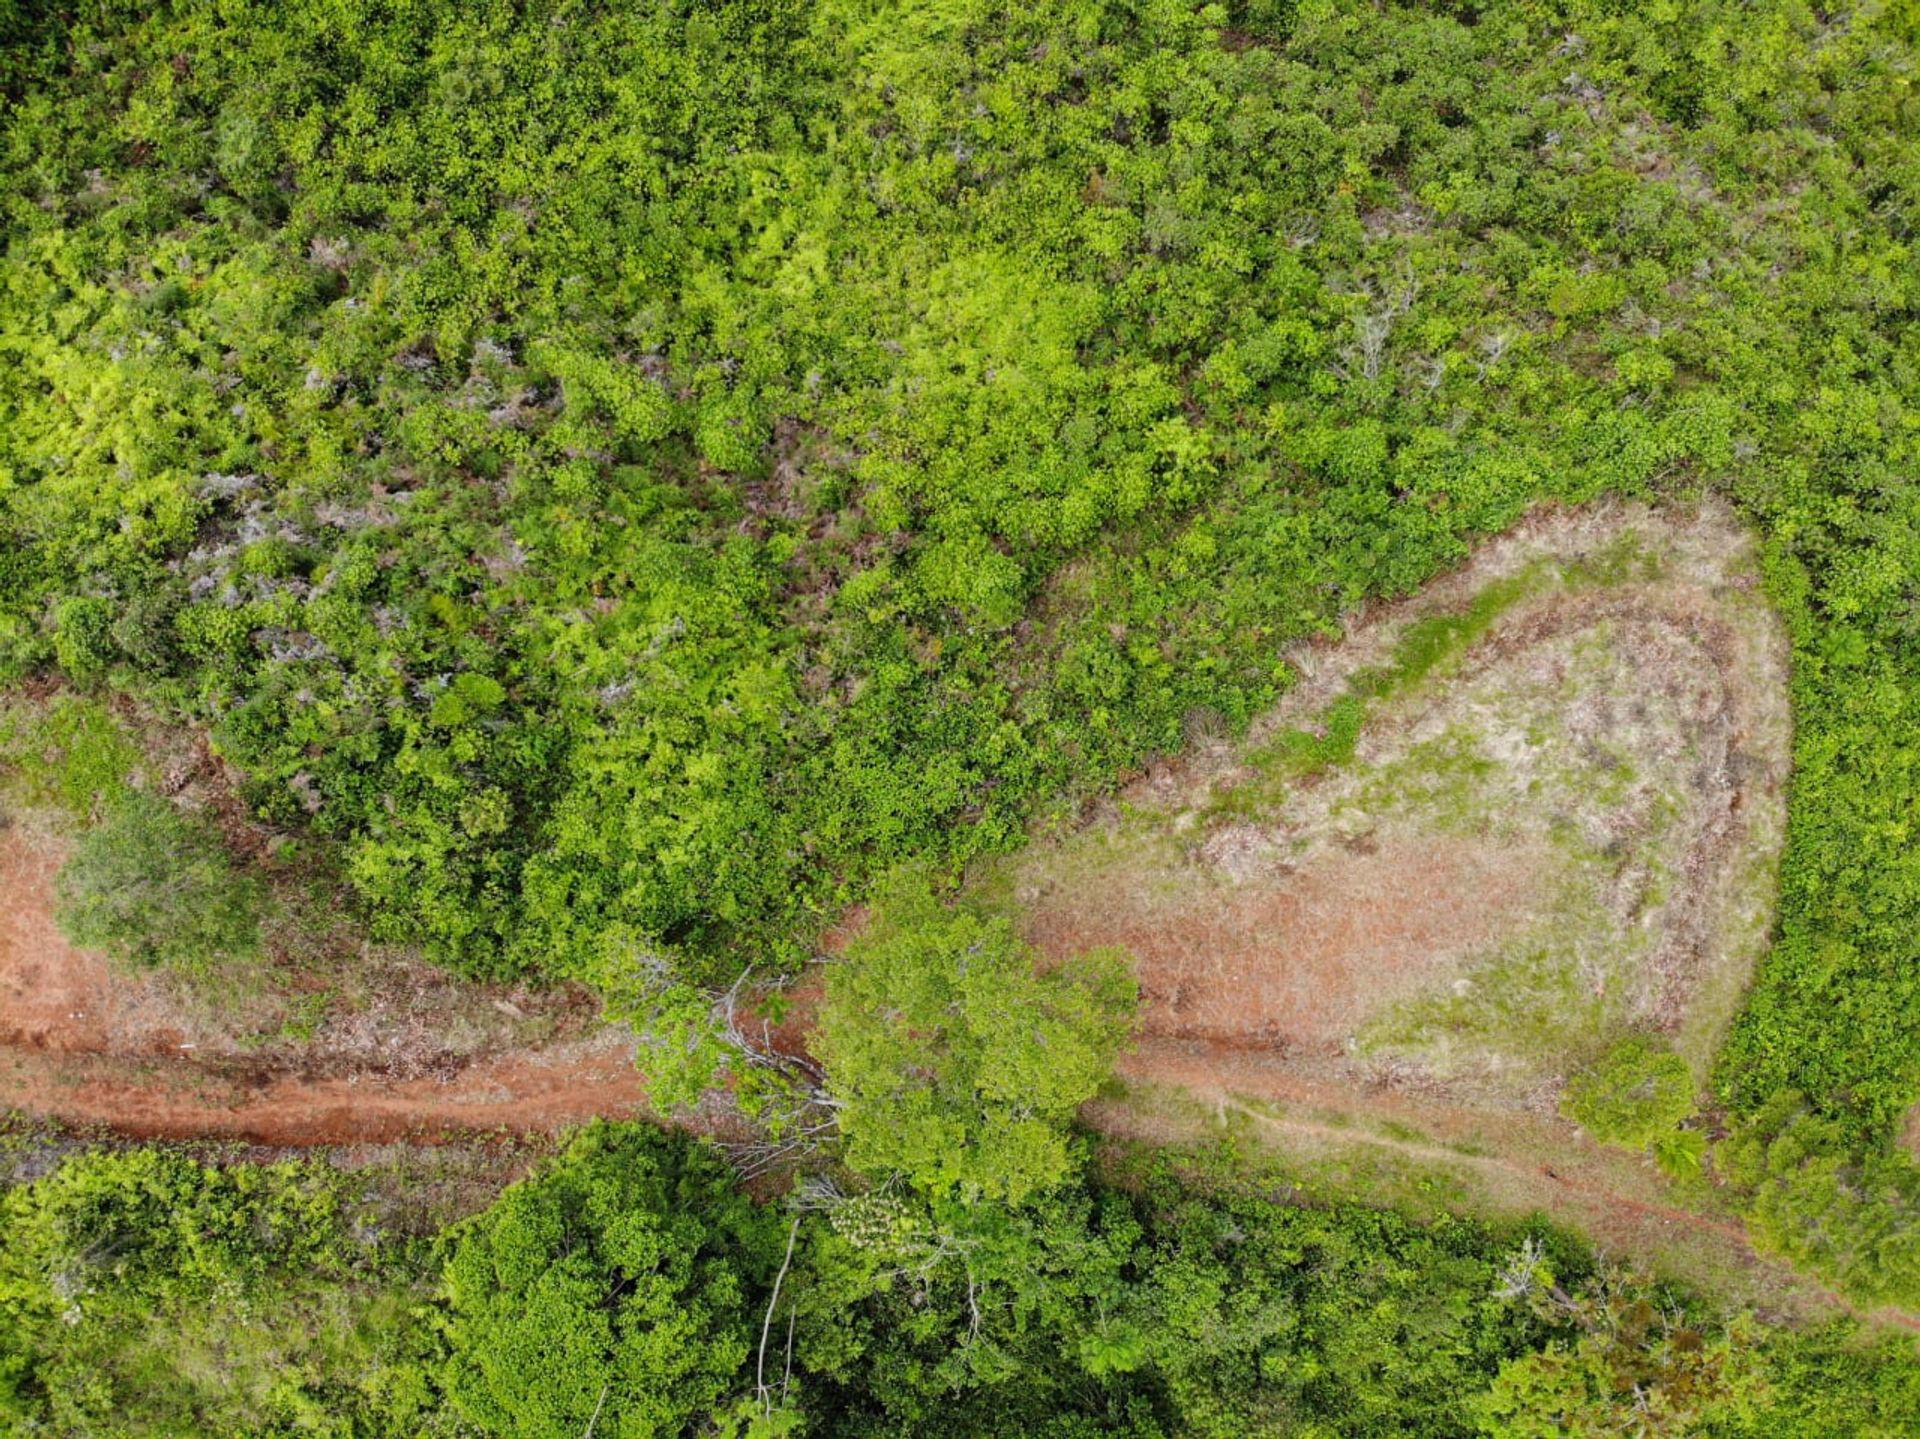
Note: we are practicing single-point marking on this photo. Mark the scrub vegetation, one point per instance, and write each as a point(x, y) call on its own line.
point(618, 485)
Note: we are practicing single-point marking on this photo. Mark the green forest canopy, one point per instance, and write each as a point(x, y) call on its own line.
point(632, 476)
point(145, 1294)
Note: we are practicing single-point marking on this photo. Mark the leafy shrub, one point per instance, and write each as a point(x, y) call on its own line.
point(70, 751)
point(1635, 1096)
point(613, 1289)
point(152, 886)
point(144, 1294)
point(1852, 1218)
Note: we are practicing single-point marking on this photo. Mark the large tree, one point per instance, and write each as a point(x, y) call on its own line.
point(614, 1291)
point(958, 1057)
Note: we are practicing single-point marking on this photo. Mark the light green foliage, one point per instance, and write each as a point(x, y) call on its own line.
point(143, 1294)
point(645, 470)
point(958, 1060)
point(152, 886)
point(1635, 1096)
point(615, 1282)
point(603, 534)
point(69, 752)
point(1811, 1197)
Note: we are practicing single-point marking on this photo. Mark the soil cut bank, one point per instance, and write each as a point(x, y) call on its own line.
point(84, 1044)
point(1497, 827)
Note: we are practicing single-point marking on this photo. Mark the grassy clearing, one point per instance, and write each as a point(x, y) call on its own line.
point(1497, 829)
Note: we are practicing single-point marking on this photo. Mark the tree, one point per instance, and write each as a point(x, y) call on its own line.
point(956, 1057)
point(1636, 1096)
point(154, 887)
point(617, 1290)
point(1637, 1365)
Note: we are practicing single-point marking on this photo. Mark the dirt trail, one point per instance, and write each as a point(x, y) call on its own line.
point(86, 1045)
point(186, 1099)
point(1619, 1222)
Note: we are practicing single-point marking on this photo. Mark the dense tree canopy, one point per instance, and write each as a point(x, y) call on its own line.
point(612, 1290)
point(956, 1059)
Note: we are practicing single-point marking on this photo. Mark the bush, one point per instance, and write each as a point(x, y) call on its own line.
point(144, 1295)
point(70, 751)
point(1636, 1096)
point(612, 1290)
point(153, 887)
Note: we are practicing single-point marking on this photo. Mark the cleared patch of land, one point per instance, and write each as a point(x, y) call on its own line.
point(1496, 828)
point(397, 1050)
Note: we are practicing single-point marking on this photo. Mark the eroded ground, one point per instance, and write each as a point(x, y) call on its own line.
point(1495, 828)
point(394, 1049)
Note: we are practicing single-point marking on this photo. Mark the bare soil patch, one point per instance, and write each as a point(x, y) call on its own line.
point(407, 1052)
point(1556, 822)
point(539, 1091)
point(1293, 960)
point(51, 997)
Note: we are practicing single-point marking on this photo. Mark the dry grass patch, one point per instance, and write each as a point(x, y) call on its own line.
point(1494, 829)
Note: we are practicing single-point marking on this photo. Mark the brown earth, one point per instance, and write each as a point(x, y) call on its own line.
point(540, 1092)
point(1297, 959)
point(1564, 833)
point(50, 997)
point(87, 1045)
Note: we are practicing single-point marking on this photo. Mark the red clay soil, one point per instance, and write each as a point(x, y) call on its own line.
point(1294, 964)
point(50, 997)
point(84, 1045)
point(189, 1099)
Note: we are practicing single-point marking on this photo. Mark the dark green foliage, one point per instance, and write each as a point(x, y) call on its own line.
point(145, 1294)
point(1636, 1363)
point(152, 886)
point(615, 1283)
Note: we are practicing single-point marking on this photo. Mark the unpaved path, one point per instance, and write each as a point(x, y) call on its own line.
point(540, 1091)
point(1713, 1252)
point(1254, 979)
point(86, 1045)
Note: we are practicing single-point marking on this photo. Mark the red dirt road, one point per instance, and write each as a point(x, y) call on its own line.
point(88, 1046)
point(187, 1099)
